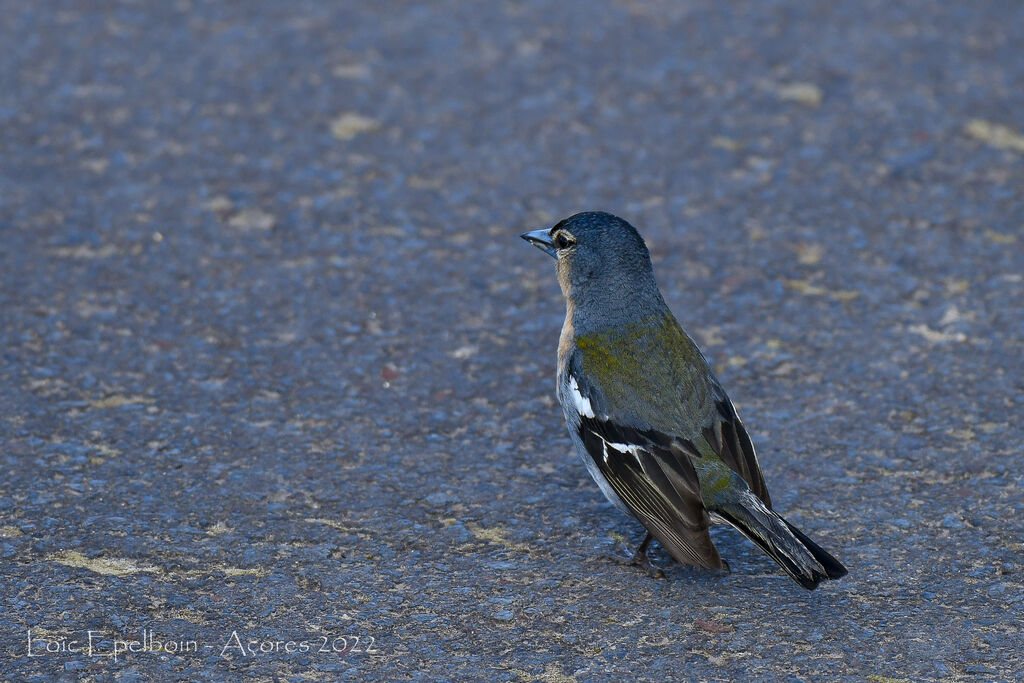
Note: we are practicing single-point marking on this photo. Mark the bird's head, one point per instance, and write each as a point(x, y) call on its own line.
point(601, 259)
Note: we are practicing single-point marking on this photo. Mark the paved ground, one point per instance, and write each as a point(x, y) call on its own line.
point(276, 366)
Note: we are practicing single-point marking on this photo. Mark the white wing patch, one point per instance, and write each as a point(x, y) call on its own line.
point(630, 448)
point(581, 402)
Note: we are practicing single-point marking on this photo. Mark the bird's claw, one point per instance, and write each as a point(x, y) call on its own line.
point(652, 570)
point(641, 560)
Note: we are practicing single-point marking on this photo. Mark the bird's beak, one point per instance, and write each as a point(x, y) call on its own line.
point(541, 240)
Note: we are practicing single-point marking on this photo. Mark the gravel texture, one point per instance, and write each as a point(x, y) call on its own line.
point(277, 369)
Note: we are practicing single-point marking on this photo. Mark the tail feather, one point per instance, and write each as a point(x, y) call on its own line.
point(834, 569)
point(802, 558)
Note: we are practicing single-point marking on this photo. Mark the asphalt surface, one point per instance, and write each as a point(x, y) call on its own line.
point(277, 369)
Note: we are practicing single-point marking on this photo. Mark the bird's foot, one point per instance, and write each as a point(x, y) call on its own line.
point(640, 559)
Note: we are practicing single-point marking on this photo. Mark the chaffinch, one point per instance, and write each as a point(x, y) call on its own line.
point(654, 427)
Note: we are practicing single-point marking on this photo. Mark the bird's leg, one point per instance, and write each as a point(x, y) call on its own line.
point(640, 559)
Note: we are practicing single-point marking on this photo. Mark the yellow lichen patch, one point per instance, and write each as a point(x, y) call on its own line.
point(218, 528)
point(47, 385)
point(106, 450)
point(496, 535)
point(239, 571)
point(8, 531)
point(203, 572)
point(418, 182)
point(183, 614)
point(907, 415)
point(334, 524)
point(110, 566)
point(957, 285)
point(875, 678)
point(808, 254)
point(755, 230)
point(87, 309)
point(218, 203)
point(995, 134)
point(844, 294)
point(805, 287)
point(356, 71)
point(711, 335)
point(722, 142)
point(962, 434)
point(98, 166)
point(1000, 237)
point(348, 125)
point(551, 674)
point(804, 93)
point(118, 400)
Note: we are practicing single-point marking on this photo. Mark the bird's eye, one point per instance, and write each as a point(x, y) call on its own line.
point(563, 241)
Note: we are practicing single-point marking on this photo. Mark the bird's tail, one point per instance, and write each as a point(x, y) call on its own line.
point(802, 558)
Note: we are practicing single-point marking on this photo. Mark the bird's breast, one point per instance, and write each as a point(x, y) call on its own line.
point(565, 341)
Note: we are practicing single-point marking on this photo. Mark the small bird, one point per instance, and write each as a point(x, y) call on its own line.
point(646, 413)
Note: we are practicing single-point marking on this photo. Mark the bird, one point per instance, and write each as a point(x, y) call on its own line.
point(646, 413)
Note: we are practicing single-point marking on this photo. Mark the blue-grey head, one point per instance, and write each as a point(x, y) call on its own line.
point(604, 267)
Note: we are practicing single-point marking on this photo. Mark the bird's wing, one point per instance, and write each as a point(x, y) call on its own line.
point(651, 473)
point(727, 437)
